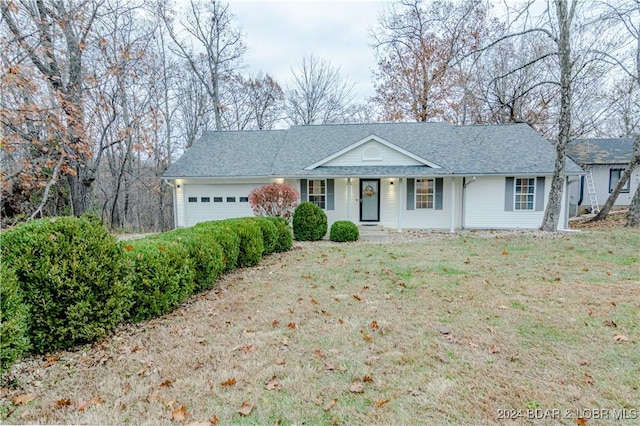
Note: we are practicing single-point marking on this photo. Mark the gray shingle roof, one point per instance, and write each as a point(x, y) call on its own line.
point(462, 150)
point(601, 151)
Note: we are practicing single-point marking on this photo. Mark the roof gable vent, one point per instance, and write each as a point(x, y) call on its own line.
point(372, 153)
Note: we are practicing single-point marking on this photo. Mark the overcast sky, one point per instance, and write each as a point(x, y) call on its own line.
point(278, 33)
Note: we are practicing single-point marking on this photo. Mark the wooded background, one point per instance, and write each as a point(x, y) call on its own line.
point(98, 97)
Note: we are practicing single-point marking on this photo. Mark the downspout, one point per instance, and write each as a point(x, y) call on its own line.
point(464, 199)
point(581, 191)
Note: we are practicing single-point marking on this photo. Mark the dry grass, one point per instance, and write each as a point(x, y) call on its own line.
point(451, 329)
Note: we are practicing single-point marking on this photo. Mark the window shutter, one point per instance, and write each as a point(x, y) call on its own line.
point(330, 194)
point(508, 194)
point(411, 183)
point(303, 190)
point(540, 193)
point(438, 193)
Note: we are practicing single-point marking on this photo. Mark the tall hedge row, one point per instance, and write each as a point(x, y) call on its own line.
point(67, 281)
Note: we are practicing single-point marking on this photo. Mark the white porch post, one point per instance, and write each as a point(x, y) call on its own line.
point(452, 226)
point(348, 198)
point(400, 196)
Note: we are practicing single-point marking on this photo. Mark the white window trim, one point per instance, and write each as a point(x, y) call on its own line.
point(433, 194)
point(309, 194)
point(515, 194)
point(627, 186)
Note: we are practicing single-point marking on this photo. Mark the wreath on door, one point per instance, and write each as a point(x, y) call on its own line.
point(368, 191)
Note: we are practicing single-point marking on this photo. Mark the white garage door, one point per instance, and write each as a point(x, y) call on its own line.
point(216, 202)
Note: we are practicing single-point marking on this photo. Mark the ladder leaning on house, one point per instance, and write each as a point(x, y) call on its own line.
point(591, 191)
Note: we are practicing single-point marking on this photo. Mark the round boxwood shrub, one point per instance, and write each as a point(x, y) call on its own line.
point(309, 222)
point(269, 234)
point(73, 279)
point(285, 235)
point(14, 327)
point(251, 241)
point(205, 252)
point(228, 238)
point(161, 274)
point(343, 230)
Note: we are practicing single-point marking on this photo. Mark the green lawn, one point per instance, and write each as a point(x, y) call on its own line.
point(476, 328)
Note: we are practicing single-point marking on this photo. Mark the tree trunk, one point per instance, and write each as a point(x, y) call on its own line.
point(626, 175)
point(633, 216)
point(564, 13)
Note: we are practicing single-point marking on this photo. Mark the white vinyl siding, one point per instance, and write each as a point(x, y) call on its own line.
point(485, 207)
point(601, 180)
point(373, 153)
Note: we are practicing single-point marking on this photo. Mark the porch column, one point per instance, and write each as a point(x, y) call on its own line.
point(400, 198)
point(452, 226)
point(348, 198)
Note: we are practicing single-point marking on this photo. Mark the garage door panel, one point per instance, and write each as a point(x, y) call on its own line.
point(216, 202)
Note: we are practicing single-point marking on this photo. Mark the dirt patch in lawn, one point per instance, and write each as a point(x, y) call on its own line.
point(468, 329)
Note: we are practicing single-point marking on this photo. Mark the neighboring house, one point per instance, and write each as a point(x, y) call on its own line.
point(605, 159)
point(398, 175)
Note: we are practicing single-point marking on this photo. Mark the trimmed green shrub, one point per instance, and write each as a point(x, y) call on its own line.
point(269, 234)
point(14, 328)
point(228, 239)
point(309, 222)
point(73, 279)
point(205, 253)
point(285, 235)
point(251, 242)
point(162, 276)
point(344, 230)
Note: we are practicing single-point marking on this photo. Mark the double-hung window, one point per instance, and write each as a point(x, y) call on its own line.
point(424, 193)
point(318, 192)
point(524, 193)
point(614, 177)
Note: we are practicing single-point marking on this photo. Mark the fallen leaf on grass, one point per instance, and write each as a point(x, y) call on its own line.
point(381, 402)
point(365, 336)
point(229, 382)
point(273, 384)
point(620, 338)
point(215, 420)
point(443, 359)
point(355, 296)
point(248, 348)
point(329, 405)
point(444, 330)
point(64, 402)
point(24, 399)
point(314, 301)
point(375, 325)
point(245, 409)
point(356, 387)
point(292, 325)
point(504, 252)
point(166, 384)
point(580, 421)
point(83, 405)
point(50, 360)
point(494, 349)
point(179, 414)
point(588, 379)
point(280, 361)
point(610, 323)
point(367, 379)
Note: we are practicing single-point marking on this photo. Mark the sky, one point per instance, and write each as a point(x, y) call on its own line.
point(278, 33)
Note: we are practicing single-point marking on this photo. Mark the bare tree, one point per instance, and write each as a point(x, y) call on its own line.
point(425, 54)
point(625, 17)
point(53, 35)
point(206, 38)
point(318, 93)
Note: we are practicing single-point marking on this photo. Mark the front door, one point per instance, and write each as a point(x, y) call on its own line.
point(369, 200)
